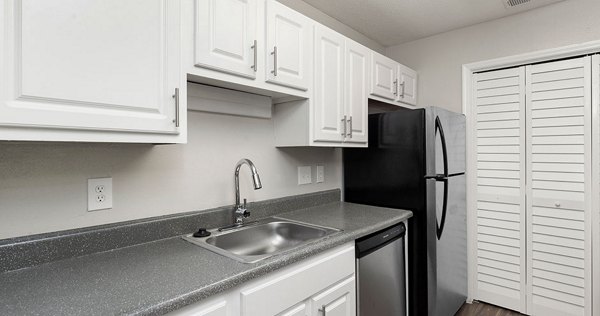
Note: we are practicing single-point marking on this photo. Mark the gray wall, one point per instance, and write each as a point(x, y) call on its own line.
point(44, 185)
point(438, 59)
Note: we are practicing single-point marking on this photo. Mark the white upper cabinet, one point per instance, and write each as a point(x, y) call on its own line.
point(337, 113)
point(384, 78)
point(98, 70)
point(407, 84)
point(256, 46)
point(392, 81)
point(288, 46)
point(329, 120)
point(356, 97)
point(226, 36)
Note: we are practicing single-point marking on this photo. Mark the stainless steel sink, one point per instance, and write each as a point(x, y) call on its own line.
point(260, 240)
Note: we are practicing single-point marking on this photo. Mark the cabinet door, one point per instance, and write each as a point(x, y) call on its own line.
point(225, 33)
point(384, 79)
point(298, 310)
point(407, 85)
point(213, 307)
point(288, 46)
point(356, 100)
point(559, 194)
point(329, 122)
point(98, 65)
point(339, 300)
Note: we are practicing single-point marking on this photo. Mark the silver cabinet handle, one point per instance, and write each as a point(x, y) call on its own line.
point(344, 124)
point(396, 87)
point(350, 129)
point(255, 47)
point(176, 97)
point(274, 53)
point(402, 85)
point(323, 310)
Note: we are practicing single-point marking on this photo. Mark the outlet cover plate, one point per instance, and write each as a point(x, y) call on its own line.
point(304, 175)
point(320, 173)
point(100, 194)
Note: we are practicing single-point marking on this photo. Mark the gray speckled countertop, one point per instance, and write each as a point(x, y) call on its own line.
point(161, 276)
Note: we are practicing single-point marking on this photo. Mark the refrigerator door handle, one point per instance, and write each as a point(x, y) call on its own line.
point(440, 226)
point(438, 127)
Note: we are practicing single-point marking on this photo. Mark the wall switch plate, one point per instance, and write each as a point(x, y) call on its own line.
point(304, 175)
point(320, 174)
point(100, 194)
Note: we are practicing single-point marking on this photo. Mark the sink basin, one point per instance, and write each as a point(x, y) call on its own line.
point(261, 240)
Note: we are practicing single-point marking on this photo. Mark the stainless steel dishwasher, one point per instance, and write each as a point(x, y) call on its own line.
point(380, 265)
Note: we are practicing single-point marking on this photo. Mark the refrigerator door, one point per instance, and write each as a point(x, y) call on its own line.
point(447, 142)
point(451, 247)
point(446, 210)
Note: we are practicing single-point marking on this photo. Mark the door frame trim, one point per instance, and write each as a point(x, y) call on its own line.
point(468, 71)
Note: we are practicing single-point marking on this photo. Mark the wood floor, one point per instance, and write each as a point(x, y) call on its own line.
point(483, 309)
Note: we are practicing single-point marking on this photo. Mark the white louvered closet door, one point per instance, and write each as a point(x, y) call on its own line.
point(499, 98)
point(559, 187)
point(596, 184)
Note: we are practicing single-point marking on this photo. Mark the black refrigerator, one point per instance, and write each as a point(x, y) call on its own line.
point(416, 161)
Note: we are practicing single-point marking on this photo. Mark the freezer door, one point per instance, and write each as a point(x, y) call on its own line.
point(446, 142)
point(451, 245)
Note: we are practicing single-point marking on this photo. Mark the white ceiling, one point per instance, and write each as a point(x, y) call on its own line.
point(392, 22)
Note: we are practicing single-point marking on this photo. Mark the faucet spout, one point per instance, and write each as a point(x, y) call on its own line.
point(255, 179)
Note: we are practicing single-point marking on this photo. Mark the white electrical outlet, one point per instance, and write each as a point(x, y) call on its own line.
point(304, 175)
point(320, 174)
point(100, 194)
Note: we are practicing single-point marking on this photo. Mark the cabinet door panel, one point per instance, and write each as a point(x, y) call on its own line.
point(288, 46)
point(339, 300)
point(383, 76)
point(225, 33)
point(407, 85)
point(357, 70)
point(298, 310)
point(282, 292)
point(218, 307)
point(329, 86)
point(102, 65)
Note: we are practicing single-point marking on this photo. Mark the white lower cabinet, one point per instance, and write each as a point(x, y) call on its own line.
point(324, 282)
point(338, 300)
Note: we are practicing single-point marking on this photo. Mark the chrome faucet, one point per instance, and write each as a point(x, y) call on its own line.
point(241, 211)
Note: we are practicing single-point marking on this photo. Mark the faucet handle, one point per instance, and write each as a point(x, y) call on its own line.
point(246, 212)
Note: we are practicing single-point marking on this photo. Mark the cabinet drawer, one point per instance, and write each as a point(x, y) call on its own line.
point(298, 283)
